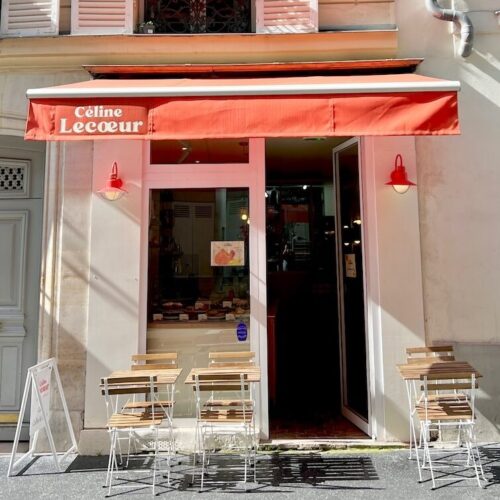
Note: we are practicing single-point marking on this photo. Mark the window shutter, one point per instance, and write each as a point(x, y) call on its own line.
point(25, 17)
point(105, 17)
point(287, 16)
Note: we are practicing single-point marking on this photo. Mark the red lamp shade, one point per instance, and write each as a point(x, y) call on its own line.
point(399, 177)
point(113, 190)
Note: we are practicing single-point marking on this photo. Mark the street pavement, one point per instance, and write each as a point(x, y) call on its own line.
point(302, 476)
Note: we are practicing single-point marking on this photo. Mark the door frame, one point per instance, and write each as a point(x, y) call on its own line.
point(356, 419)
point(249, 175)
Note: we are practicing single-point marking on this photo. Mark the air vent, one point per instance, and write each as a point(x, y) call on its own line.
point(203, 211)
point(182, 211)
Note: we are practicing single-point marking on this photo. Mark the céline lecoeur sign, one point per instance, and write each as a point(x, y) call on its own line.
point(101, 119)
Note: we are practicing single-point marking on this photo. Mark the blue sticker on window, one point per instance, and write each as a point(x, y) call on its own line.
point(242, 332)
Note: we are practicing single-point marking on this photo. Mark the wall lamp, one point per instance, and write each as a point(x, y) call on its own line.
point(113, 190)
point(399, 177)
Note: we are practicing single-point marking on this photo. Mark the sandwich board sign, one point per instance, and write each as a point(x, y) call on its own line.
point(42, 382)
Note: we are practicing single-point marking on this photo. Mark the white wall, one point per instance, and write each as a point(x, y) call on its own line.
point(458, 180)
point(395, 317)
point(115, 245)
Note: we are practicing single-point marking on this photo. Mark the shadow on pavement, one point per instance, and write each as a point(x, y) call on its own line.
point(225, 472)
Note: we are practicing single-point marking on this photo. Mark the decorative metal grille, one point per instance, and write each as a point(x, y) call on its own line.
point(12, 178)
point(199, 16)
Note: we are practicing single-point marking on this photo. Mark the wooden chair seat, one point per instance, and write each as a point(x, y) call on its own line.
point(433, 398)
point(228, 402)
point(226, 416)
point(147, 405)
point(126, 420)
point(445, 411)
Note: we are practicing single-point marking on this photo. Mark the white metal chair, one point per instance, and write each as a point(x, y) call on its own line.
point(231, 360)
point(422, 356)
point(156, 361)
point(440, 409)
point(224, 407)
point(164, 400)
point(122, 423)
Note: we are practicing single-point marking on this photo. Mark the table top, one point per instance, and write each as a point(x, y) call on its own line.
point(164, 376)
point(253, 372)
point(414, 371)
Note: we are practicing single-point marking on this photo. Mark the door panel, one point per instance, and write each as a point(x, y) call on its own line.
point(21, 211)
point(351, 285)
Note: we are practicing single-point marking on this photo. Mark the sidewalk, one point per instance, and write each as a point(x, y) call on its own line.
point(308, 475)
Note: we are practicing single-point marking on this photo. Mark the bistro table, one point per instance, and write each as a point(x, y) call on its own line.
point(413, 372)
point(164, 376)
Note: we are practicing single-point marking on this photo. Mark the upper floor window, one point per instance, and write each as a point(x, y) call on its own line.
point(50, 17)
point(110, 17)
point(199, 16)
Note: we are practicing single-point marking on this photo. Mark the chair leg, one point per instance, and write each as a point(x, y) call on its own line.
point(470, 447)
point(128, 446)
point(416, 453)
point(196, 449)
point(476, 448)
point(203, 459)
point(246, 454)
point(155, 461)
point(427, 452)
point(170, 453)
point(413, 441)
point(119, 445)
point(111, 434)
point(114, 463)
point(254, 447)
point(421, 441)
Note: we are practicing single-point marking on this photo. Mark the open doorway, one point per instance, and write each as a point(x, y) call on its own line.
point(306, 197)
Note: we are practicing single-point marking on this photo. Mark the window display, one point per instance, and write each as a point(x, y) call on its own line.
point(198, 255)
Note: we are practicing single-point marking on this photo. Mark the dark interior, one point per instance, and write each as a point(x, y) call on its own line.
point(303, 326)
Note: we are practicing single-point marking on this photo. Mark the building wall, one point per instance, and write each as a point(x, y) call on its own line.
point(64, 284)
point(458, 179)
point(342, 14)
point(457, 191)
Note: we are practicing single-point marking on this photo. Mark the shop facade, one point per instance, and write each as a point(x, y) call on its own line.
point(97, 298)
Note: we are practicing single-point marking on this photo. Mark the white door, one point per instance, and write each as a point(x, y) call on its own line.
point(351, 285)
point(21, 209)
point(248, 175)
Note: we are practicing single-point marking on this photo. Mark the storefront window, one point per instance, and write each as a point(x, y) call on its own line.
point(198, 288)
point(199, 151)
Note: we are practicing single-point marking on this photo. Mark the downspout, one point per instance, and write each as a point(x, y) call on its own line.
point(460, 19)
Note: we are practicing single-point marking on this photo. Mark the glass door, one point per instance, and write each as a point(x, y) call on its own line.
point(198, 277)
point(351, 285)
point(203, 237)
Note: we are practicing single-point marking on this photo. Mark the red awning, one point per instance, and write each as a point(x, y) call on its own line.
point(406, 104)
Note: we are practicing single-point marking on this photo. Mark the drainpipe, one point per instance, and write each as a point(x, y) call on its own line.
point(460, 19)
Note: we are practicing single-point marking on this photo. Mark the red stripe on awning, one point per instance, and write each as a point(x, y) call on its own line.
point(279, 107)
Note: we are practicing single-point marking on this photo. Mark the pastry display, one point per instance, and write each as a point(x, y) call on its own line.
point(212, 311)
